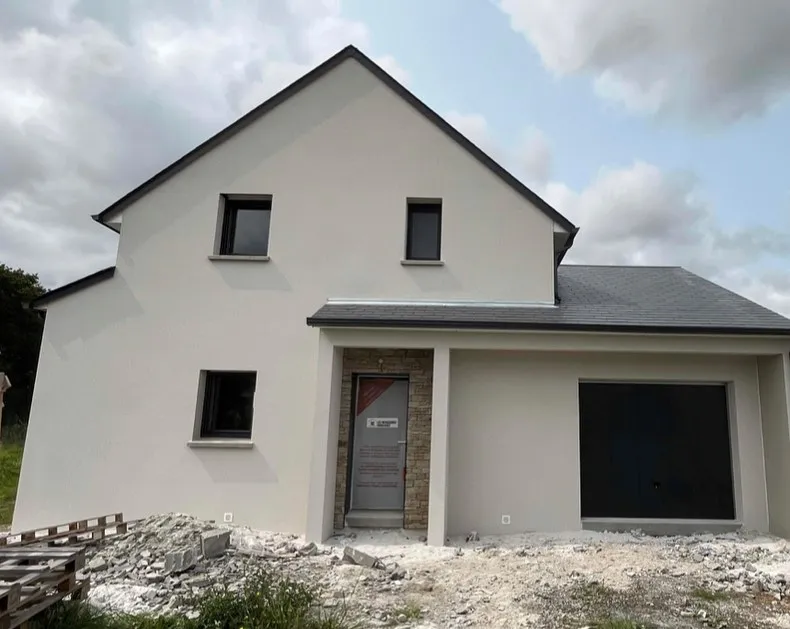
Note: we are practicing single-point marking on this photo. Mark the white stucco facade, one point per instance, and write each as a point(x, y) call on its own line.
point(117, 390)
point(118, 374)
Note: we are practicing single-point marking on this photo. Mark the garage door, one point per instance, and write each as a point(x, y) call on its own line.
point(655, 451)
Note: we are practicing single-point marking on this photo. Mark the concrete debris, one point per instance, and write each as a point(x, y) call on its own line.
point(308, 550)
point(527, 580)
point(97, 564)
point(213, 543)
point(355, 556)
point(472, 537)
point(181, 560)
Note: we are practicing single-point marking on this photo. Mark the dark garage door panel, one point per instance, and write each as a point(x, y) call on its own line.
point(655, 451)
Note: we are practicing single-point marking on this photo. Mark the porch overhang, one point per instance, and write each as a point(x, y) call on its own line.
point(531, 317)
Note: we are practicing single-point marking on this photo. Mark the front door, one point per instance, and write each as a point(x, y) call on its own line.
point(379, 456)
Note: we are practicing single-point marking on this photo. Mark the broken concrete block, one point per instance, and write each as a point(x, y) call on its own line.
point(308, 550)
point(352, 555)
point(214, 542)
point(181, 560)
point(97, 564)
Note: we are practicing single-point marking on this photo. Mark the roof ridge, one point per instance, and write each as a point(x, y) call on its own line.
point(349, 52)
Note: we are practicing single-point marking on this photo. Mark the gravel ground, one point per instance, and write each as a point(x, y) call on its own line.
point(567, 580)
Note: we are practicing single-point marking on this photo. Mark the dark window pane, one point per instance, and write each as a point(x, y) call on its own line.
point(424, 233)
point(229, 405)
point(245, 227)
point(251, 233)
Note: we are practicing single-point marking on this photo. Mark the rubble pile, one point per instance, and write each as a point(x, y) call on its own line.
point(163, 558)
point(395, 579)
point(740, 568)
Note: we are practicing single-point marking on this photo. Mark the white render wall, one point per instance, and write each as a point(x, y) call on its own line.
point(514, 433)
point(774, 375)
point(116, 394)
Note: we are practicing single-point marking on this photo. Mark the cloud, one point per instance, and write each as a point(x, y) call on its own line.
point(475, 128)
point(639, 214)
point(534, 156)
point(97, 96)
point(719, 59)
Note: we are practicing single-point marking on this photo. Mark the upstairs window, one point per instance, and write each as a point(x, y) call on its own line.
point(424, 230)
point(245, 227)
point(228, 405)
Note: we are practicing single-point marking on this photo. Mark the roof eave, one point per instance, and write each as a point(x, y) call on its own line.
point(428, 324)
point(40, 303)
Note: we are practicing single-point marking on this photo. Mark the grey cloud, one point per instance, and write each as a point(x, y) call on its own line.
point(643, 215)
point(97, 96)
point(717, 59)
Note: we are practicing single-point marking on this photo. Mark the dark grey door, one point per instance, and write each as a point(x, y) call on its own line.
point(379, 456)
point(655, 451)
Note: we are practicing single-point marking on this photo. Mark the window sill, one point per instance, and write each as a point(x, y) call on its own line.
point(422, 262)
point(229, 444)
point(234, 258)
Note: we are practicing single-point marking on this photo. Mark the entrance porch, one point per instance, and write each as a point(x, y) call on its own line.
point(520, 427)
point(383, 465)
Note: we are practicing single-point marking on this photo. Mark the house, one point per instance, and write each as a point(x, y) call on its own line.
point(339, 311)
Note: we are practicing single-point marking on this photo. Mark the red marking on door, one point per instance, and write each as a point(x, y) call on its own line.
point(371, 389)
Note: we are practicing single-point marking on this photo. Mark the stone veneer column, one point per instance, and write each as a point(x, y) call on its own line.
point(417, 364)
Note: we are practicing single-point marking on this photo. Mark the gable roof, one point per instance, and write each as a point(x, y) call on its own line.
point(350, 52)
point(592, 298)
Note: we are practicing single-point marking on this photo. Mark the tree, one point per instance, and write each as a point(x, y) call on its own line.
point(20, 339)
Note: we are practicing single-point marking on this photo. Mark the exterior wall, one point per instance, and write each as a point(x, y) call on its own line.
point(514, 433)
point(774, 375)
point(116, 393)
point(418, 365)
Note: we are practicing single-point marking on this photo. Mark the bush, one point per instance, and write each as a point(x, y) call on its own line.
point(265, 602)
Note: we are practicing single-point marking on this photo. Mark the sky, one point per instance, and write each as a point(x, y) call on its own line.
point(661, 129)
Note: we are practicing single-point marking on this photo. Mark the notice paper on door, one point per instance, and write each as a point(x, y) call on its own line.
point(382, 422)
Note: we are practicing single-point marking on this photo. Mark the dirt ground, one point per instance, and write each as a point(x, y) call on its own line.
point(570, 580)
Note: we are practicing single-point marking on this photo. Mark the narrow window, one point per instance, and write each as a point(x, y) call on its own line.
point(424, 231)
point(228, 404)
point(245, 227)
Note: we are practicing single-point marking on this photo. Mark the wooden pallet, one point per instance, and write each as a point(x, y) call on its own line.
point(33, 579)
point(76, 532)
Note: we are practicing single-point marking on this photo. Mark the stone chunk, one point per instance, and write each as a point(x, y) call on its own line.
point(308, 550)
point(215, 542)
point(97, 564)
point(352, 555)
point(181, 560)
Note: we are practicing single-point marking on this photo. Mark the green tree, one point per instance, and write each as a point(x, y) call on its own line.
point(20, 339)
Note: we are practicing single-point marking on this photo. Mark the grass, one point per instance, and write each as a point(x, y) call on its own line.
point(619, 623)
point(708, 595)
point(411, 611)
point(10, 464)
point(265, 602)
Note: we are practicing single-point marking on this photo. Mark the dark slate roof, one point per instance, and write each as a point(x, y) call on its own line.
point(592, 298)
point(349, 52)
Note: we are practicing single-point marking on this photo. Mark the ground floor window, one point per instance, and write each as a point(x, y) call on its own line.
point(228, 404)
